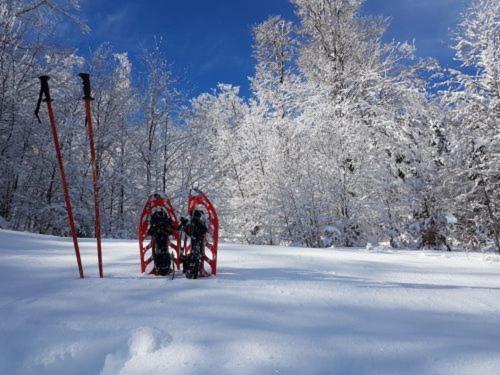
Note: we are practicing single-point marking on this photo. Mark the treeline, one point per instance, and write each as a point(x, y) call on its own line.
point(344, 140)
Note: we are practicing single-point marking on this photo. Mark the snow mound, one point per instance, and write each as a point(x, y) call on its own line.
point(141, 345)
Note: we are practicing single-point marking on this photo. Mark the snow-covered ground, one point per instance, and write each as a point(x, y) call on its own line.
point(270, 310)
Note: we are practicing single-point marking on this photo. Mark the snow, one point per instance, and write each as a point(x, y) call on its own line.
point(270, 310)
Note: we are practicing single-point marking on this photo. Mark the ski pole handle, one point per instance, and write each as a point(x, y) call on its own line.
point(44, 91)
point(86, 86)
point(44, 88)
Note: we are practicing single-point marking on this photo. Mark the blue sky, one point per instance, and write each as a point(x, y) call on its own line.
point(209, 41)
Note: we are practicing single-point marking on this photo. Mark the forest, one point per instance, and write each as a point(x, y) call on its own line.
point(345, 139)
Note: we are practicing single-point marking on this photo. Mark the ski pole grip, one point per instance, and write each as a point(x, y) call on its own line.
point(44, 91)
point(44, 88)
point(86, 86)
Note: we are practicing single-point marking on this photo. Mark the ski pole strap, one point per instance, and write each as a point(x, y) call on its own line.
point(86, 86)
point(44, 91)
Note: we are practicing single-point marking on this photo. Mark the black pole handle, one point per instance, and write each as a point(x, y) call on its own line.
point(44, 88)
point(86, 86)
point(44, 91)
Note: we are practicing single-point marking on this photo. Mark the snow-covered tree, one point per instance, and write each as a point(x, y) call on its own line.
point(473, 176)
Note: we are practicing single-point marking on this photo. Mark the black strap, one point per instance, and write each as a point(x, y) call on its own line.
point(44, 91)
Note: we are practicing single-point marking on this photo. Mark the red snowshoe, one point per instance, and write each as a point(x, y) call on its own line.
point(159, 238)
point(200, 206)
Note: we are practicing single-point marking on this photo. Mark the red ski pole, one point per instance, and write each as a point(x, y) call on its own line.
point(87, 97)
point(44, 91)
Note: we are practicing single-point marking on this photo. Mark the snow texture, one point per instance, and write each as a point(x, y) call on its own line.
point(270, 310)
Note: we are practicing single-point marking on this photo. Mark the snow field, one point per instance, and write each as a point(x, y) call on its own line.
point(270, 310)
